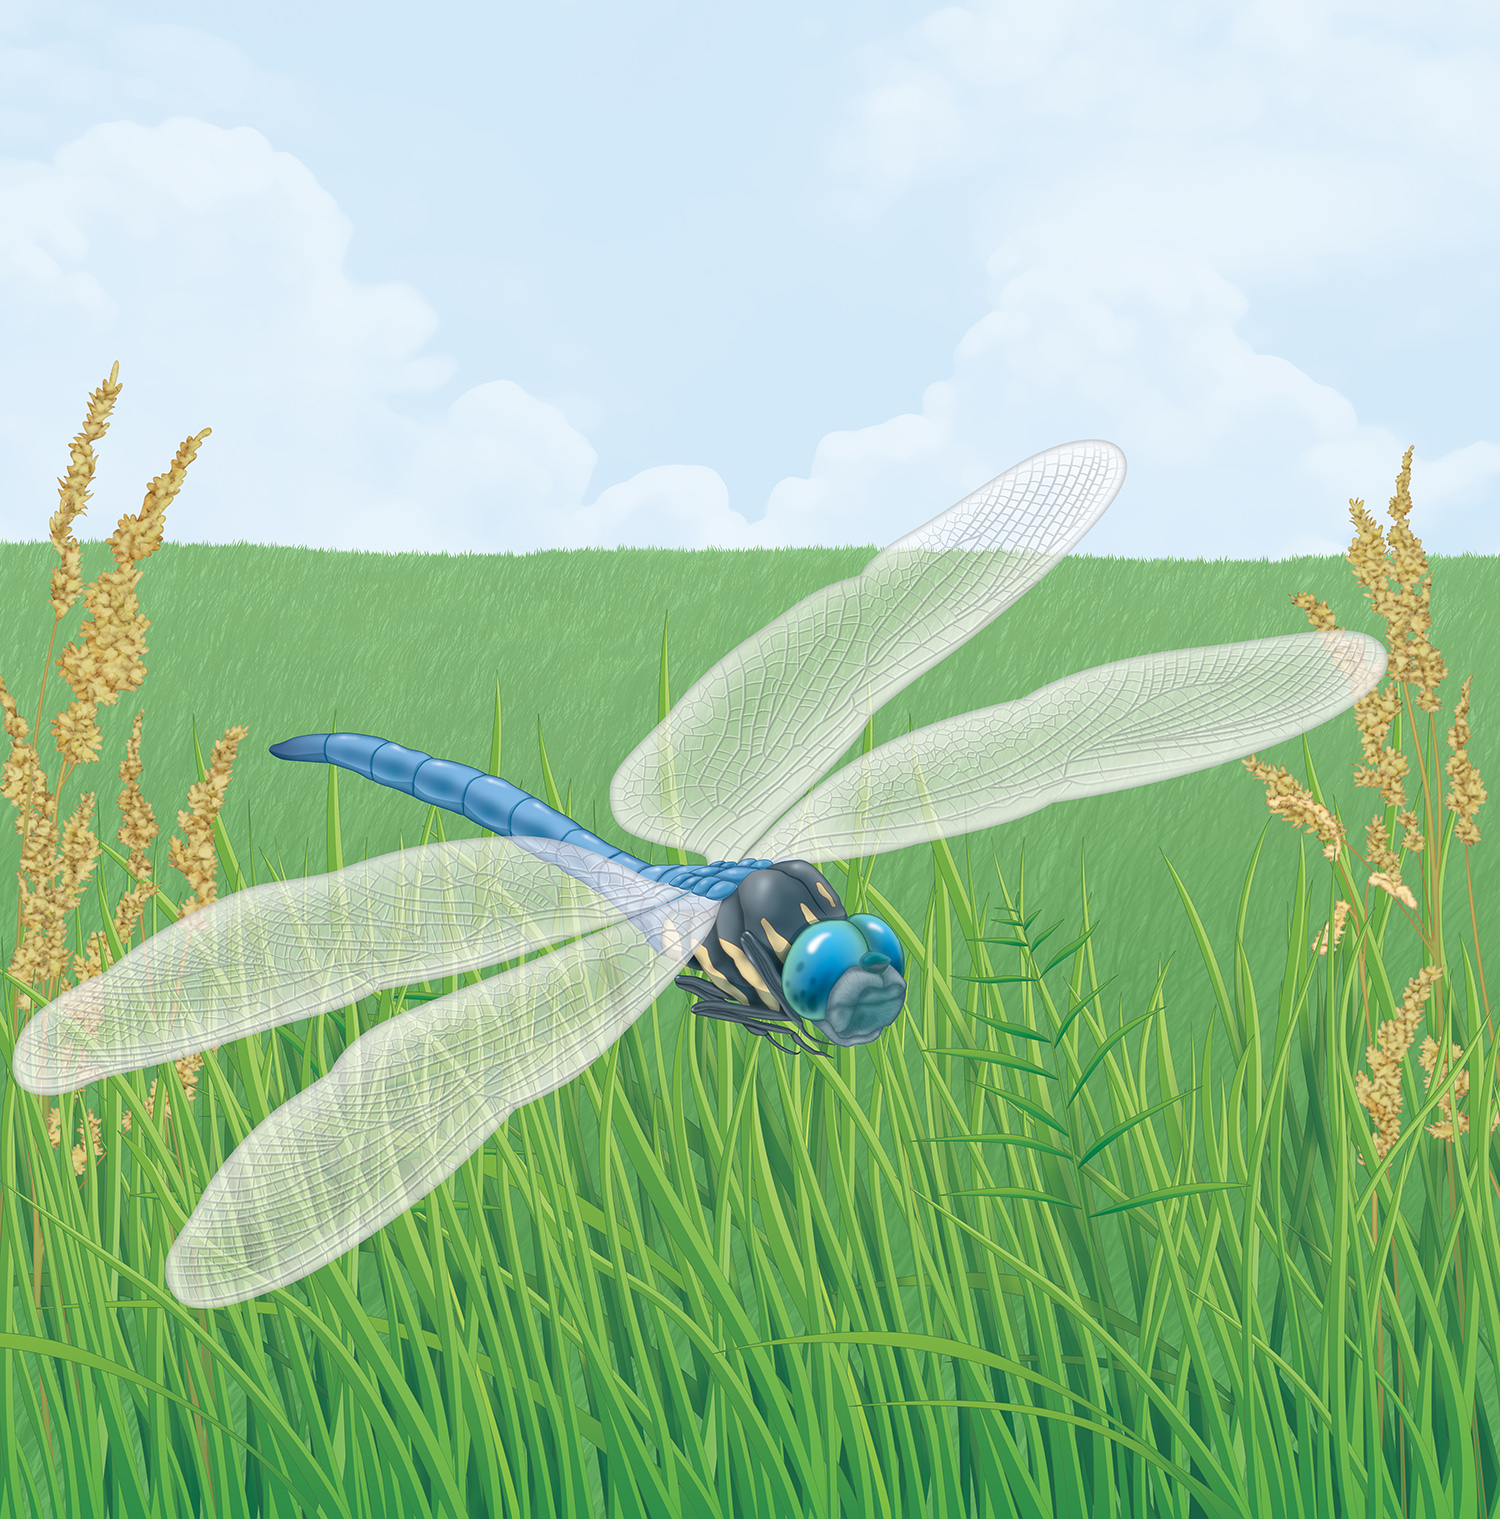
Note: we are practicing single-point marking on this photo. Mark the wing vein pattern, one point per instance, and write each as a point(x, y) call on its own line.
point(769, 719)
point(407, 1103)
point(1130, 723)
point(286, 950)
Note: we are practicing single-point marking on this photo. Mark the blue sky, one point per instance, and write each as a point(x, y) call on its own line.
point(486, 278)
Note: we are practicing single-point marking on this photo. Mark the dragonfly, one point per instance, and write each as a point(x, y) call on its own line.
point(738, 772)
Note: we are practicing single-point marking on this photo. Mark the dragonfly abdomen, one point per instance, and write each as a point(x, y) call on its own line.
point(495, 804)
point(484, 799)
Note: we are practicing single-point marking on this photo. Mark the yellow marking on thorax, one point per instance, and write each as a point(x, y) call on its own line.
point(700, 955)
point(774, 939)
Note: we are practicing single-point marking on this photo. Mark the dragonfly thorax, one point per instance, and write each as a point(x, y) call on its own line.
point(786, 954)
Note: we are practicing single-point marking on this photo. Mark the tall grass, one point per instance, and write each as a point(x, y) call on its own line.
point(1019, 1257)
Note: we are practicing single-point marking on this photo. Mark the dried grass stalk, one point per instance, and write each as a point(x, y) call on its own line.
point(102, 662)
point(1397, 581)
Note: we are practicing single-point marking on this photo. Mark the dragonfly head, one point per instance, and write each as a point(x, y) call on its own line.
point(844, 976)
point(784, 943)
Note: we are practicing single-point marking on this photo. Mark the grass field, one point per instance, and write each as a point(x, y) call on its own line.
point(1081, 1234)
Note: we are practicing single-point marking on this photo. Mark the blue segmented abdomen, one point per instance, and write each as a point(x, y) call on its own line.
point(495, 804)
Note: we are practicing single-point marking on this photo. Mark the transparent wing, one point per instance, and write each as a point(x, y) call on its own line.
point(288, 949)
point(1106, 729)
point(407, 1104)
point(770, 718)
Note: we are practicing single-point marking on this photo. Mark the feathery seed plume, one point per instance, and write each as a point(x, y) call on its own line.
point(73, 493)
point(1465, 792)
point(1406, 612)
point(1340, 912)
point(1393, 886)
point(107, 658)
point(137, 830)
point(197, 859)
point(1379, 1093)
point(1296, 804)
point(1448, 1125)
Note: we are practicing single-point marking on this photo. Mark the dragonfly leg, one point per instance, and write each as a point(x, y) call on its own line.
point(768, 966)
point(760, 1021)
point(765, 1030)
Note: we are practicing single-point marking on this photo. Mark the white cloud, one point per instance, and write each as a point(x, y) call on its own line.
point(213, 267)
point(1150, 181)
point(873, 484)
point(671, 505)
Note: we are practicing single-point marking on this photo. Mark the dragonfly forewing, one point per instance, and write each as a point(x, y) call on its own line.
point(759, 728)
point(408, 1103)
point(286, 950)
point(1130, 723)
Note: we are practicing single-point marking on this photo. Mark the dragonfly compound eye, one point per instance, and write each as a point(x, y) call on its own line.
point(845, 975)
point(881, 937)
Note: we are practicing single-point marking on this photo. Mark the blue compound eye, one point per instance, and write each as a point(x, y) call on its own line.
point(881, 937)
point(819, 955)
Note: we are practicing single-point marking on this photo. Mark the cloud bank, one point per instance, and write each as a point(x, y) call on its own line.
point(1149, 196)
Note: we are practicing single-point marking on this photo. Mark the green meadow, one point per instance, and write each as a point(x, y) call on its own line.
point(1099, 1226)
